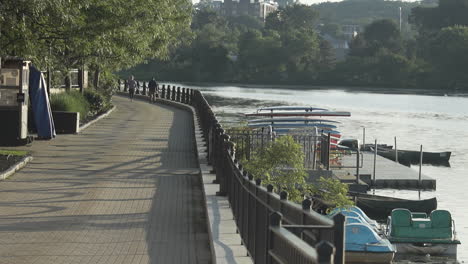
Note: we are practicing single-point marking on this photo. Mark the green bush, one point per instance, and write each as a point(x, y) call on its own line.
point(98, 103)
point(72, 101)
point(88, 104)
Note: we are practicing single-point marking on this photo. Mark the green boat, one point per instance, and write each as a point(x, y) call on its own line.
point(419, 234)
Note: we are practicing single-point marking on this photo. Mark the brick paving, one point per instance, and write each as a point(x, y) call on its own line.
point(126, 190)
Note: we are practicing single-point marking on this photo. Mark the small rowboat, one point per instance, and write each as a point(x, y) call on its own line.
point(408, 157)
point(380, 207)
point(291, 119)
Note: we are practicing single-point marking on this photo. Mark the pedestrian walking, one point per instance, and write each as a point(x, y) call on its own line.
point(152, 87)
point(131, 83)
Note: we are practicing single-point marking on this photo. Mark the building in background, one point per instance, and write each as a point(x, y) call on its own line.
point(263, 9)
point(256, 8)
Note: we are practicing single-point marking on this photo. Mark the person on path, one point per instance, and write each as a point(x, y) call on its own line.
point(131, 86)
point(152, 87)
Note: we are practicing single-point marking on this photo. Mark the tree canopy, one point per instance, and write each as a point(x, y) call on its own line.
point(107, 35)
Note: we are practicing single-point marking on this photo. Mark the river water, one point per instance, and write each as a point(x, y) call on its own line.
point(437, 121)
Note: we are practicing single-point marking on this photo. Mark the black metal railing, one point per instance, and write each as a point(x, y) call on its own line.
point(273, 229)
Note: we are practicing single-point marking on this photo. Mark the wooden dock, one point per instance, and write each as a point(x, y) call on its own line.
point(388, 174)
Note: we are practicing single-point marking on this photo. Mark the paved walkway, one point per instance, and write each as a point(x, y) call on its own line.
point(126, 190)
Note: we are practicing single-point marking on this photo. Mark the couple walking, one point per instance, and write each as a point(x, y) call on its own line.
point(152, 88)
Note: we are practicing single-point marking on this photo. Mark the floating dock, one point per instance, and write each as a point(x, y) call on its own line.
point(388, 174)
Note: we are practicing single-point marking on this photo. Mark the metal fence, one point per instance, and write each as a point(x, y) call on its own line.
point(249, 142)
point(273, 229)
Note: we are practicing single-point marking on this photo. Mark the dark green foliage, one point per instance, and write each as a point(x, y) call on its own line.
point(89, 104)
point(448, 13)
point(105, 35)
point(288, 49)
point(98, 103)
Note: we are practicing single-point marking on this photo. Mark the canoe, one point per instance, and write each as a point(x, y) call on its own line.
point(408, 157)
point(291, 119)
point(292, 125)
point(293, 113)
point(306, 131)
point(291, 108)
point(380, 207)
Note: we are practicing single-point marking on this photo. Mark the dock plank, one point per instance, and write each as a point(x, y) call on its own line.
point(388, 174)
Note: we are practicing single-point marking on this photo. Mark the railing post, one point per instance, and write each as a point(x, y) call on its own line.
point(275, 222)
point(325, 252)
point(173, 95)
point(191, 96)
point(182, 99)
point(339, 238)
point(283, 198)
point(178, 94)
point(224, 163)
point(163, 91)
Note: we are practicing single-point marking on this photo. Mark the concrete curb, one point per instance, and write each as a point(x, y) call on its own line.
point(83, 127)
point(18, 166)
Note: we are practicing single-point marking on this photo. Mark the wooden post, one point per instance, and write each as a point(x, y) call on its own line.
point(328, 150)
point(358, 164)
point(420, 167)
point(396, 151)
point(375, 163)
point(363, 137)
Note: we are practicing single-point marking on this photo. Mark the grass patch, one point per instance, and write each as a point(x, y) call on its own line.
point(13, 152)
point(89, 104)
point(72, 101)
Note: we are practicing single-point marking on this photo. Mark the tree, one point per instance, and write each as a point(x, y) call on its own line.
point(447, 13)
point(260, 57)
point(107, 35)
point(449, 56)
point(382, 34)
point(292, 17)
point(281, 164)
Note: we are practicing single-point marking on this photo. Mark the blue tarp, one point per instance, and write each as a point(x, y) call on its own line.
point(40, 104)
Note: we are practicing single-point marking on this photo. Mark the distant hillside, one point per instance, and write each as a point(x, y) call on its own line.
point(363, 12)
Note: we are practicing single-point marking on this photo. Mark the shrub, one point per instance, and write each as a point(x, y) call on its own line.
point(98, 103)
point(71, 101)
point(281, 164)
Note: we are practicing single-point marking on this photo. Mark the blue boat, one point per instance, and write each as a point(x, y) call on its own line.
point(362, 243)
